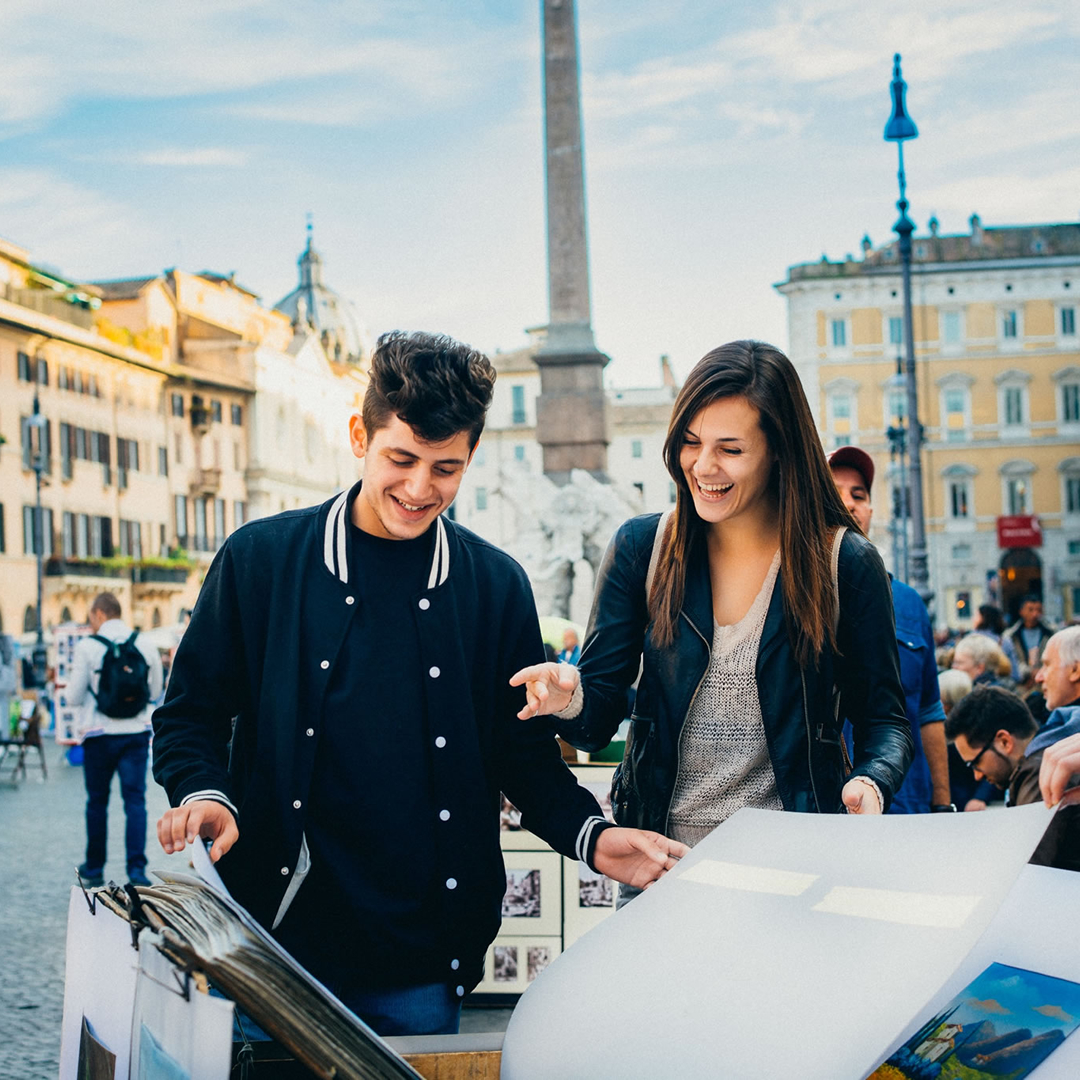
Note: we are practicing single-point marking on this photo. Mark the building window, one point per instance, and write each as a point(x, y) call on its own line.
point(961, 552)
point(1009, 323)
point(955, 405)
point(82, 536)
point(1018, 495)
point(31, 541)
point(237, 413)
point(1070, 403)
point(839, 333)
point(219, 522)
point(201, 541)
point(959, 500)
point(896, 330)
point(177, 403)
point(26, 370)
point(517, 394)
point(841, 406)
point(67, 535)
point(519, 452)
point(1014, 405)
point(635, 448)
point(950, 327)
point(215, 411)
point(1068, 322)
point(162, 461)
point(1074, 549)
point(239, 510)
point(130, 539)
point(3, 537)
point(481, 498)
point(1072, 494)
point(101, 542)
point(180, 518)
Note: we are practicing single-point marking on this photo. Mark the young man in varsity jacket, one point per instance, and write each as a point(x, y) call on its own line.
point(339, 718)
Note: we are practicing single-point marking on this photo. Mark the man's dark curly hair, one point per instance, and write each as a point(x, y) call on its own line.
point(436, 385)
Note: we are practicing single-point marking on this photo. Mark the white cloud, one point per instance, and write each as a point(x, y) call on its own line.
point(193, 157)
point(1010, 197)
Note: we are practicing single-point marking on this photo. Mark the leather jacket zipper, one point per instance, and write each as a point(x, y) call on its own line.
point(678, 742)
point(809, 742)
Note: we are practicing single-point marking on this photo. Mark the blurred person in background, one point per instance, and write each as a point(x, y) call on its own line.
point(981, 658)
point(999, 741)
point(954, 687)
point(990, 621)
point(571, 650)
point(1029, 635)
point(926, 786)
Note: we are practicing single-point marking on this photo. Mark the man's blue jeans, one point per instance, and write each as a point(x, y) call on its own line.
point(127, 755)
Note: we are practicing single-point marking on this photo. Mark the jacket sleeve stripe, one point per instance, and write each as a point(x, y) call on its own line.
point(328, 532)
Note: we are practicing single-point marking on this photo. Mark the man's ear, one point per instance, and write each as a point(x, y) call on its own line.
point(1073, 674)
point(1007, 740)
point(358, 440)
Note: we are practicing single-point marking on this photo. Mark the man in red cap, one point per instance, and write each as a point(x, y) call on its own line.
point(926, 786)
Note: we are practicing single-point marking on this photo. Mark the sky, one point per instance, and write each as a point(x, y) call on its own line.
point(724, 142)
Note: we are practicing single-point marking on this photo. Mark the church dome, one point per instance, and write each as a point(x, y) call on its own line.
point(315, 308)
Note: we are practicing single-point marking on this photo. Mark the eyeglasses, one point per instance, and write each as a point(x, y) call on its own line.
point(973, 764)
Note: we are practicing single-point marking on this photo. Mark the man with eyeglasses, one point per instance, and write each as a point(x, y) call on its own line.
point(998, 740)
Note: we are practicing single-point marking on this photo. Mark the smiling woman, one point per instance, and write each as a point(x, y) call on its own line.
point(729, 609)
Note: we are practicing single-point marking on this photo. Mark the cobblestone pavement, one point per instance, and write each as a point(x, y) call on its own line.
point(42, 840)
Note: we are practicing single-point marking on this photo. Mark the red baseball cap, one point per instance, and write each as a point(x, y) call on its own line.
point(857, 459)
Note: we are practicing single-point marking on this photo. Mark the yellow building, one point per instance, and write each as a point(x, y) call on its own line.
point(998, 359)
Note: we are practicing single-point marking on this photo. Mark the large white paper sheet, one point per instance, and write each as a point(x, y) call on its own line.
point(783, 945)
point(99, 983)
point(1037, 928)
point(195, 1034)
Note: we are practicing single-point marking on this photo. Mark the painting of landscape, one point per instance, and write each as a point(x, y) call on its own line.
point(999, 1027)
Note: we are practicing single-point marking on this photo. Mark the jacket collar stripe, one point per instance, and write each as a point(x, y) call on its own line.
point(440, 563)
point(342, 533)
point(336, 511)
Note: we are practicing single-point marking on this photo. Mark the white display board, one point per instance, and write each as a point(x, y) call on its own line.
point(783, 945)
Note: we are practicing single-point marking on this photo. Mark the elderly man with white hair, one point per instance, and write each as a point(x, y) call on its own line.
point(979, 657)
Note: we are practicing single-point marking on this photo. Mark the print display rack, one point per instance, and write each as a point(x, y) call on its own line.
point(550, 901)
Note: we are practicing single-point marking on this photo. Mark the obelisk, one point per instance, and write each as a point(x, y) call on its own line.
point(572, 410)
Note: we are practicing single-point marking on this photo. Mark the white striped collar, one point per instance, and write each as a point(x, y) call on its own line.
point(335, 548)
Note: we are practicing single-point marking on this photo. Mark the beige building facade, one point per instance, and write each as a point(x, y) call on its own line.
point(171, 409)
point(995, 315)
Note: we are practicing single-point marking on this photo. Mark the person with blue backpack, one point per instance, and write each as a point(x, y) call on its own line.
point(116, 674)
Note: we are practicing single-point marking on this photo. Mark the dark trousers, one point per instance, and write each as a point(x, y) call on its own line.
point(127, 755)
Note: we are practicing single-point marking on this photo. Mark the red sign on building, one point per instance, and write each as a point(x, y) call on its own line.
point(1019, 531)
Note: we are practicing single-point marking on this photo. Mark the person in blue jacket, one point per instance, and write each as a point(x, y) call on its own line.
point(926, 786)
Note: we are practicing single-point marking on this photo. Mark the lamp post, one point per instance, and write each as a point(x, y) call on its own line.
point(39, 656)
point(900, 128)
point(897, 436)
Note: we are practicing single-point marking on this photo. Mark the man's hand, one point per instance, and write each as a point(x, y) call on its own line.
point(548, 688)
point(202, 817)
point(1060, 763)
point(973, 806)
point(636, 857)
point(859, 797)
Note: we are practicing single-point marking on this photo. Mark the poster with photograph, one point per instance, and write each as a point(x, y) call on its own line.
point(532, 902)
point(539, 956)
point(514, 963)
point(522, 897)
point(594, 889)
point(505, 963)
point(1003, 1024)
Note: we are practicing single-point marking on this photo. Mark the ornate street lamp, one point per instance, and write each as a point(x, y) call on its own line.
point(898, 510)
point(900, 128)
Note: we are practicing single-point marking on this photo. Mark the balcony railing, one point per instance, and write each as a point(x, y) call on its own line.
point(159, 575)
point(83, 568)
point(46, 302)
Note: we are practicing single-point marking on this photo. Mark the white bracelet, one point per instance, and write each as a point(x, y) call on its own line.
point(877, 791)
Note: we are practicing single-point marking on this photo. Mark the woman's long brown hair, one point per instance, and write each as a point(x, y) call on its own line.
point(810, 508)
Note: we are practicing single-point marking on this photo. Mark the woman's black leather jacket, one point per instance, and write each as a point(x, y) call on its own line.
point(797, 704)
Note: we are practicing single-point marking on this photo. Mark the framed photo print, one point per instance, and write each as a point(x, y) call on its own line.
point(588, 899)
point(532, 901)
point(513, 963)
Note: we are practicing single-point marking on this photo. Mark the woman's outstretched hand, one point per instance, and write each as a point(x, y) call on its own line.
point(859, 797)
point(636, 856)
point(548, 688)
